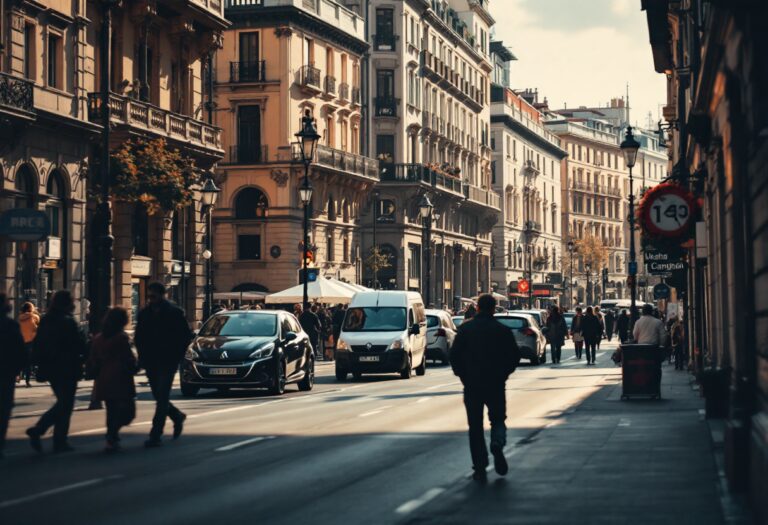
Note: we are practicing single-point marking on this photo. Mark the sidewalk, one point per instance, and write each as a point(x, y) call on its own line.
point(608, 461)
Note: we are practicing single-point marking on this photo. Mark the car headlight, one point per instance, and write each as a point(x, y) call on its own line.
point(264, 351)
point(397, 344)
point(342, 345)
point(191, 353)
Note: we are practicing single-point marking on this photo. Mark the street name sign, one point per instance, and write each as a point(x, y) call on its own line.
point(659, 263)
point(24, 224)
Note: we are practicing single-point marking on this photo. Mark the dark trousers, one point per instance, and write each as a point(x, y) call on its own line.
point(475, 401)
point(7, 391)
point(579, 348)
point(160, 382)
point(59, 415)
point(556, 351)
point(27, 372)
point(120, 412)
point(591, 351)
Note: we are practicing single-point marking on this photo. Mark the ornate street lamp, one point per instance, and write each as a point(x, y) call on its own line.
point(571, 248)
point(307, 137)
point(629, 148)
point(209, 195)
point(425, 210)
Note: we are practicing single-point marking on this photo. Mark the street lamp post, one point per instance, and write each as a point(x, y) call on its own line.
point(209, 194)
point(529, 255)
point(307, 138)
point(571, 248)
point(588, 271)
point(374, 250)
point(629, 148)
point(425, 209)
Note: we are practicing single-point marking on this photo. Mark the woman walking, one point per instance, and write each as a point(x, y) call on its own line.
point(578, 339)
point(592, 331)
point(29, 320)
point(557, 331)
point(113, 364)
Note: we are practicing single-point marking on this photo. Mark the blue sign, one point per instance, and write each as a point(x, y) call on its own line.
point(312, 275)
point(633, 268)
point(24, 224)
point(661, 291)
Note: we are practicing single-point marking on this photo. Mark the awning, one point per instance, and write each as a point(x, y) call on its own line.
point(322, 290)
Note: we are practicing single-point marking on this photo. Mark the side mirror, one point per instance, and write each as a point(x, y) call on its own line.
point(290, 336)
point(415, 329)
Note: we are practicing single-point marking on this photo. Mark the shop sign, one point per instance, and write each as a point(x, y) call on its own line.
point(24, 224)
point(659, 263)
point(141, 267)
point(53, 248)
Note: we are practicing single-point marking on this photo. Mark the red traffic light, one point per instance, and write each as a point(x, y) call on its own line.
point(523, 286)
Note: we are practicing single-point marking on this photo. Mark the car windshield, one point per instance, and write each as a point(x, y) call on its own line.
point(533, 313)
point(432, 321)
point(374, 319)
point(457, 321)
point(516, 323)
point(240, 325)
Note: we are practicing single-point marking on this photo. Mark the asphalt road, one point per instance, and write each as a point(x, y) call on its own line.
point(372, 451)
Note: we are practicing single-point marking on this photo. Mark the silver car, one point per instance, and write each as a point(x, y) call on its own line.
point(530, 340)
point(440, 335)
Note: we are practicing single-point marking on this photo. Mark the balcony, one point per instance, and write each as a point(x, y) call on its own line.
point(248, 71)
point(330, 86)
point(336, 159)
point(384, 42)
point(532, 227)
point(386, 106)
point(421, 174)
point(482, 196)
point(309, 77)
point(344, 92)
point(143, 116)
point(242, 154)
point(17, 97)
point(356, 96)
point(598, 189)
point(213, 7)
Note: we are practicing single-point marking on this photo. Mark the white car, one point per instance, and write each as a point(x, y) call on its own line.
point(440, 335)
point(530, 340)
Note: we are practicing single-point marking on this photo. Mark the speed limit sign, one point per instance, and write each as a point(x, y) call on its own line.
point(667, 210)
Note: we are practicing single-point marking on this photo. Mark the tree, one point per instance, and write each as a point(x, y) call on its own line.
point(591, 250)
point(377, 260)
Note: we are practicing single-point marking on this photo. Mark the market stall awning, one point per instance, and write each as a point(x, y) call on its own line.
point(322, 290)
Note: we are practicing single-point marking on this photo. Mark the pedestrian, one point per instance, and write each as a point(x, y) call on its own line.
point(13, 358)
point(578, 339)
point(677, 335)
point(557, 331)
point(59, 353)
point(113, 365)
point(649, 330)
point(326, 330)
point(591, 330)
point(29, 320)
point(610, 324)
point(310, 323)
point(470, 312)
point(162, 336)
point(337, 320)
point(483, 355)
point(622, 326)
point(600, 318)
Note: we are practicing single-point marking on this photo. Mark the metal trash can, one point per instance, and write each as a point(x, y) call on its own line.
point(640, 371)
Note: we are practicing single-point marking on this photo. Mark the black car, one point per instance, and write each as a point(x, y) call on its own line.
point(249, 349)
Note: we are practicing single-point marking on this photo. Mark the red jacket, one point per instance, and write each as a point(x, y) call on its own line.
point(114, 365)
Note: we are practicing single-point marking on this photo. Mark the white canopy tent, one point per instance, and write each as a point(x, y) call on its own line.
point(354, 287)
point(322, 290)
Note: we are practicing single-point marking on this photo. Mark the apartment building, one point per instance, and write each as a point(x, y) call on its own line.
point(430, 128)
point(281, 60)
point(526, 172)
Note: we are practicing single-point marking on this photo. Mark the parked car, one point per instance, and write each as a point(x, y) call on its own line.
point(383, 331)
point(457, 320)
point(528, 335)
point(539, 315)
point(249, 349)
point(440, 335)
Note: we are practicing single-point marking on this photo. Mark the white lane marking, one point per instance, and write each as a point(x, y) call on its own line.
point(374, 412)
point(423, 400)
point(59, 490)
point(410, 506)
point(624, 422)
point(239, 444)
point(441, 386)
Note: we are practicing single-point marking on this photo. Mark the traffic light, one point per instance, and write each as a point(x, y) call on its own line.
point(631, 281)
point(312, 275)
point(309, 256)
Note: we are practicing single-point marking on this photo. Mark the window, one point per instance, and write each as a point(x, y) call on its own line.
point(29, 51)
point(251, 203)
point(330, 131)
point(249, 135)
point(309, 52)
point(55, 60)
point(385, 83)
point(249, 247)
point(345, 250)
point(385, 148)
point(249, 47)
point(385, 30)
point(330, 254)
point(414, 261)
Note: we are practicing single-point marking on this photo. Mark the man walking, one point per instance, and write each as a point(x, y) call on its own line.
point(622, 326)
point(59, 352)
point(162, 336)
point(649, 330)
point(13, 358)
point(483, 355)
point(310, 323)
point(610, 322)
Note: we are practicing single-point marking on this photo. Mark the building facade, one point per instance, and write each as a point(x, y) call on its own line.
point(430, 128)
point(527, 159)
point(280, 61)
point(713, 55)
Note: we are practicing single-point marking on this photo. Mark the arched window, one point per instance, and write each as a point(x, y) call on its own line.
point(251, 203)
point(345, 211)
point(331, 209)
point(25, 183)
point(55, 204)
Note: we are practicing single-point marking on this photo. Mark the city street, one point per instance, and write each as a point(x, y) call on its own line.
point(376, 451)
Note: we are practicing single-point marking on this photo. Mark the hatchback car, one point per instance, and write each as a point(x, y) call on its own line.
point(457, 320)
point(440, 334)
point(249, 349)
point(530, 340)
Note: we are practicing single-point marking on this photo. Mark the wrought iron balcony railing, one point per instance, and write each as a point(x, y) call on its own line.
point(16, 94)
point(420, 173)
point(384, 42)
point(330, 85)
point(386, 106)
point(310, 76)
point(254, 71)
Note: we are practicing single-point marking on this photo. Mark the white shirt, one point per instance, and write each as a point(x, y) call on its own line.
point(649, 331)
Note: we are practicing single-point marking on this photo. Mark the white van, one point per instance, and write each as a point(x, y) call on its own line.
point(383, 332)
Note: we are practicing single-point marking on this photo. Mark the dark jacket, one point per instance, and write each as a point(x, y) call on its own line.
point(338, 320)
point(622, 325)
point(113, 365)
point(557, 330)
point(60, 348)
point(591, 329)
point(13, 356)
point(162, 336)
point(610, 322)
point(310, 323)
point(484, 352)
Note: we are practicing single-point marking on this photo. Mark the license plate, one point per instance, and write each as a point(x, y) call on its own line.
point(223, 371)
point(369, 358)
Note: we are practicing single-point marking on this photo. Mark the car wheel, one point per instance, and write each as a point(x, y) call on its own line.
point(341, 375)
point(278, 388)
point(308, 381)
point(406, 373)
point(188, 390)
point(422, 368)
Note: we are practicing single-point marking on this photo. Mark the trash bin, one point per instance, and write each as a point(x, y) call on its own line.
point(640, 371)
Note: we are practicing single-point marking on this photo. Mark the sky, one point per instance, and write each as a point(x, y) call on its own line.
point(581, 52)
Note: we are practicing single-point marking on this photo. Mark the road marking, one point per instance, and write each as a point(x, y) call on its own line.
point(239, 444)
point(59, 490)
point(624, 422)
point(441, 386)
point(423, 400)
point(410, 506)
point(374, 412)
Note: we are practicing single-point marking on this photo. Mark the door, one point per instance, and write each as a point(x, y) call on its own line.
point(249, 67)
point(249, 135)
